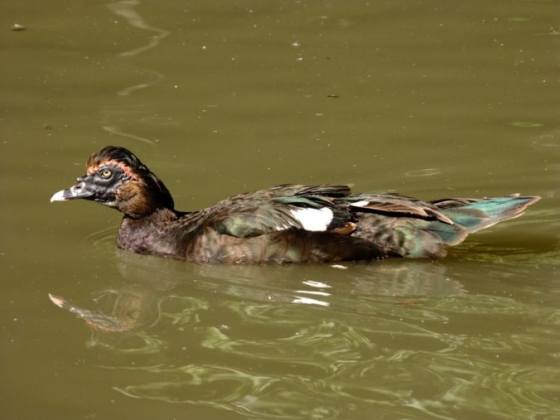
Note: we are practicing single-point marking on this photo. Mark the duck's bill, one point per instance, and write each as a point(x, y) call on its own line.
point(73, 193)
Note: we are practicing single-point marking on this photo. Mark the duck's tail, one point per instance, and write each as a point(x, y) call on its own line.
point(472, 215)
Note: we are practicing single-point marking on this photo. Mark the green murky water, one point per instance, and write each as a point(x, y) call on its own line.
point(428, 98)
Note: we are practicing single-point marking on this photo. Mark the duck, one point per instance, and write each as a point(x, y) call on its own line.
point(286, 223)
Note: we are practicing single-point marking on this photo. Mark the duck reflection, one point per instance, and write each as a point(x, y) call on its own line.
point(151, 282)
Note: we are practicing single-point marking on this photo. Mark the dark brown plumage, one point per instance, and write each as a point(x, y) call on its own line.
point(286, 223)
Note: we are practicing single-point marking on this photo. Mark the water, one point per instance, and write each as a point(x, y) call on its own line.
point(431, 99)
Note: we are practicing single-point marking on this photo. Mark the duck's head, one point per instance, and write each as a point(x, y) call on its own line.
point(116, 178)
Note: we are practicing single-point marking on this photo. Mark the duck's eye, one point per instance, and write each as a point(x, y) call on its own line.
point(105, 173)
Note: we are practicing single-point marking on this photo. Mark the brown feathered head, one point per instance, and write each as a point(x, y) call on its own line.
point(116, 178)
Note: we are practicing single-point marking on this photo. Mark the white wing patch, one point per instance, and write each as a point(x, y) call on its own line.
point(362, 203)
point(313, 220)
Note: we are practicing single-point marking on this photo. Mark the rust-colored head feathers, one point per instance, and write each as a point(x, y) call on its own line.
point(117, 155)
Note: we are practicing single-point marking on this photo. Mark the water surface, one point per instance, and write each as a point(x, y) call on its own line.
point(431, 99)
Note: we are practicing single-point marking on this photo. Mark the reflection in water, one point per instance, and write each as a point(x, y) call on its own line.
point(423, 172)
point(137, 304)
point(126, 116)
point(321, 342)
point(126, 9)
point(547, 142)
point(117, 132)
point(157, 77)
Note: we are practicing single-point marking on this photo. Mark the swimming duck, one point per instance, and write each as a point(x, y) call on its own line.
point(282, 224)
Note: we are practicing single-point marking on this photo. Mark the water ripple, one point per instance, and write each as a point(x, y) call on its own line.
point(126, 9)
point(401, 340)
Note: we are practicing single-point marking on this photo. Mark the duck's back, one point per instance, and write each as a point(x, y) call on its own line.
point(294, 223)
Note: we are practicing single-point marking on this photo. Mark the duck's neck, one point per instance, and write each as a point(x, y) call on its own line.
point(156, 234)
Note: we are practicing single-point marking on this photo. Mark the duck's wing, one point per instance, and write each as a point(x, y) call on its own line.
point(294, 190)
point(316, 208)
point(397, 206)
point(285, 207)
point(330, 191)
